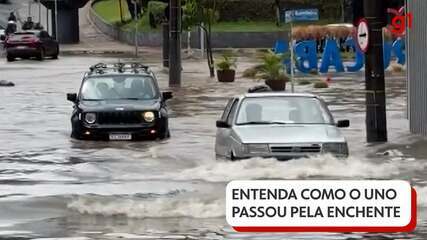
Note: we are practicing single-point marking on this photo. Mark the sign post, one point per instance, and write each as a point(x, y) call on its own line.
point(298, 15)
point(376, 118)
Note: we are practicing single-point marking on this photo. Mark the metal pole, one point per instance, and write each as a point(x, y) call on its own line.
point(40, 12)
point(56, 21)
point(165, 45)
point(136, 28)
point(202, 40)
point(29, 7)
point(175, 43)
point(47, 20)
point(376, 119)
point(292, 61)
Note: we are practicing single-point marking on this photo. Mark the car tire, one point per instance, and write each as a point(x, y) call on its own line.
point(164, 135)
point(76, 136)
point(10, 58)
point(40, 57)
point(55, 56)
point(232, 157)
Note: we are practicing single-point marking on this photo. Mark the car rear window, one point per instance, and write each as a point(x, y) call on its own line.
point(21, 36)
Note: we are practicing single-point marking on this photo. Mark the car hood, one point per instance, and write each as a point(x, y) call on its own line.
point(119, 105)
point(282, 134)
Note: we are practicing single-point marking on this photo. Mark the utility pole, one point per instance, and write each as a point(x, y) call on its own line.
point(175, 43)
point(376, 119)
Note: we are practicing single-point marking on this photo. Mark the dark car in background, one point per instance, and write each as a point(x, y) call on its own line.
point(119, 102)
point(31, 44)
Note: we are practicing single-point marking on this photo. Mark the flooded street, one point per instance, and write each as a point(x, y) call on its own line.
point(54, 187)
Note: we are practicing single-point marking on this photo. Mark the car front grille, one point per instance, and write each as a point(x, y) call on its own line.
point(119, 118)
point(315, 148)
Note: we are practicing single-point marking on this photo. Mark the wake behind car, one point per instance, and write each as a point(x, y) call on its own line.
point(278, 125)
point(31, 44)
point(119, 102)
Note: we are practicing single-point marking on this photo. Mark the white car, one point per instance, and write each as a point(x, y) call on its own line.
point(278, 125)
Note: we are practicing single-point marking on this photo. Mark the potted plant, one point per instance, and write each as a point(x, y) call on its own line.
point(226, 69)
point(273, 72)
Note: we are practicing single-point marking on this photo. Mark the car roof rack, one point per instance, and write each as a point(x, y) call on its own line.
point(120, 67)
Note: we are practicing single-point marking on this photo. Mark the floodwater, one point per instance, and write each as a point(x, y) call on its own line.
point(55, 187)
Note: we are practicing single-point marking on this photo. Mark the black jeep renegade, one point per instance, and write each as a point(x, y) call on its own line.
point(119, 102)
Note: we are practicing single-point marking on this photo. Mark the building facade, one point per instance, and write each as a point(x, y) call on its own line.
point(416, 51)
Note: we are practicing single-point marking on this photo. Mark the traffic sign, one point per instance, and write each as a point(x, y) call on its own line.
point(362, 35)
point(301, 15)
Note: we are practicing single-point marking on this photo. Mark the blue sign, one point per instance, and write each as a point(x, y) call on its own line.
point(301, 15)
point(306, 55)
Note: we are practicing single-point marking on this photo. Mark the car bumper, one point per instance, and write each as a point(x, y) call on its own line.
point(22, 52)
point(288, 156)
point(103, 133)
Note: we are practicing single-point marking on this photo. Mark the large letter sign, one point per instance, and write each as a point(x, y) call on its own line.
point(398, 47)
point(331, 56)
point(306, 56)
point(360, 57)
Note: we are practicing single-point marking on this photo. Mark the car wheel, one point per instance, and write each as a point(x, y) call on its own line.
point(40, 57)
point(55, 56)
point(76, 136)
point(164, 135)
point(10, 58)
point(232, 157)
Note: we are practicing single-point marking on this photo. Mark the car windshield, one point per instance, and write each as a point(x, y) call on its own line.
point(119, 87)
point(283, 110)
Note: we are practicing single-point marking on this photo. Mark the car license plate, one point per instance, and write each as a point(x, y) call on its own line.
point(21, 47)
point(120, 137)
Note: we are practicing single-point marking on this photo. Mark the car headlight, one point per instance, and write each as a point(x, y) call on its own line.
point(336, 148)
point(148, 116)
point(257, 148)
point(90, 118)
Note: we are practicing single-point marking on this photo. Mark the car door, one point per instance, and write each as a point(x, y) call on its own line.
point(222, 136)
point(47, 42)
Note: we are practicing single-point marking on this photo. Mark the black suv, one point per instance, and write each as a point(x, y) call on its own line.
point(119, 102)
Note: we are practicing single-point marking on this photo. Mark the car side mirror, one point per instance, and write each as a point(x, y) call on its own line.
point(2, 37)
point(343, 124)
point(222, 124)
point(167, 95)
point(72, 97)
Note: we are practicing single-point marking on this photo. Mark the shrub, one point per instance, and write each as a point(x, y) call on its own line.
point(304, 82)
point(396, 68)
point(226, 63)
point(272, 67)
point(156, 10)
point(313, 71)
point(252, 72)
point(320, 84)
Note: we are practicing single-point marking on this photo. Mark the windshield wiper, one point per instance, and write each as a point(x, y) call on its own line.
point(264, 123)
point(92, 100)
point(135, 99)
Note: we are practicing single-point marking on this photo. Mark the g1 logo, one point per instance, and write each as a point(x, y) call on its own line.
point(399, 21)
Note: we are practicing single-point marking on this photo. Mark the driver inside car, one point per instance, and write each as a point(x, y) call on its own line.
point(253, 113)
point(138, 90)
point(104, 91)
